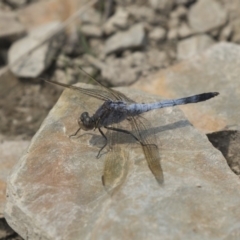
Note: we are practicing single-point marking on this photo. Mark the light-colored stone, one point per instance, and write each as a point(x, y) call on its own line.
point(179, 12)
point(217, 69)
point(10, 153)
point(206, 15)
point(164, 5)
point(10, 28)
point(184, 30)
point(91, 16)
point(118, 21)
point(157, 34)
point(132, 38)
point(22, 63)
point(192, 46)
point(56, 192)
point(226, 33)
point(142, 13)
point(117, 72)
point(156, 58)
point(90, 30)
point(172, 34)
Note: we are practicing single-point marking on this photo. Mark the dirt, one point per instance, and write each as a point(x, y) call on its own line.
point(23, 106)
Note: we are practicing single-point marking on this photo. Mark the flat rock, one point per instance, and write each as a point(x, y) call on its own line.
point(132, 38)
point(10, 152)
point(206, 15)
point(25, 64)
point(192, 46)
point(217, 69)
point(10, 27)
point(55, 191)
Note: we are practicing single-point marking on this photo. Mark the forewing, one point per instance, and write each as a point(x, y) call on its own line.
point(141, 129)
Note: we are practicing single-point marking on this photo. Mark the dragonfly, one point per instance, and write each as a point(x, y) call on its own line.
point(117, 108)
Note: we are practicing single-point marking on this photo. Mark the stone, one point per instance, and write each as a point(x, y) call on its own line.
point(10, 152)
point(58, 180)
point(39, 13)
point(226, 33)
point(142, 13)
point(227, 142)
point(184, 31)
point(90, 30)
point(156, 58)
point(91, 16)
point(118, 21)
point(172, 34)
point(117, 72)
point(10, 27)
point(179, 12)
point(17, 3)
point(130, 39)
point(164, 5)
point(210, 21)
point(157, 34)
point(194, 45)
point(25, 64)
point(216, 69)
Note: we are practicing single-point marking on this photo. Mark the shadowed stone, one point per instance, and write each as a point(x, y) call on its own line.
point(55, 191)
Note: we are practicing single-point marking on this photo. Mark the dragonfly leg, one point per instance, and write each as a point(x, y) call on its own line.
point(73, 135)
point(104, 144)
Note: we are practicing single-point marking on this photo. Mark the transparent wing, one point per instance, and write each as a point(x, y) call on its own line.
point(140, 128)
point(106, 94)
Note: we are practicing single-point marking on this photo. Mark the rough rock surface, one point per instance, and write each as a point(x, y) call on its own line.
point(217, 69)
point(36, 62)
point(10, 152)
point(207, 15)
point(55, 190)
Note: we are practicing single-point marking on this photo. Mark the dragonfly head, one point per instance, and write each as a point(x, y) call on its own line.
point(86, 122)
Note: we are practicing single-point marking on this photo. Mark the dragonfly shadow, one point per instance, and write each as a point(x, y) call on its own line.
point(123, 138)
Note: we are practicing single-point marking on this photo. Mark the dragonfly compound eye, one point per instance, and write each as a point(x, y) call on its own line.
point(85, 121)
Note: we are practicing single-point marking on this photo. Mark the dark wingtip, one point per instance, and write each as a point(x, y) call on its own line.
point(215, 94)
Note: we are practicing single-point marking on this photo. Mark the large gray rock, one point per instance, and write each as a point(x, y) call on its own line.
point(217, 69)
point(132, 38)
point(55, 191)
point(206, 15)
point(23, 62)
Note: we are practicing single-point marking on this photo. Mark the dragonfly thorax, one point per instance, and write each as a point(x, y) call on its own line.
point(86, 122)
